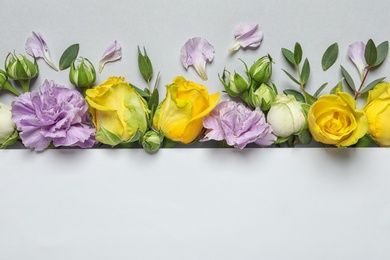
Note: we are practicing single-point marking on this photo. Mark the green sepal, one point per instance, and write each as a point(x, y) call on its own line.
point(10, 140)
point(106, 137)
point(145, 65)
point(339, 86)
point(143, 93)
point(168, 143)
point(305, 136)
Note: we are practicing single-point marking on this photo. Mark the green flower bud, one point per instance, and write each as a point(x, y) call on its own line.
point(21, 69)
point(84, 76)
point(5, 84)
point(8, 133)
point(235, 85)
point(151, 141)
point(262, 97)
point(261, 70)
point(145, 65)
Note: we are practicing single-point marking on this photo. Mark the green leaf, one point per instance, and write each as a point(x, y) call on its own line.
point(145, 65)
point(305, 72)
point(371, 85)
point(298, 96)
point(367, 141)
point(168, 143)
point(371, 53)
point(69, 55)
point(297, 53)
point(309, 98)
point(382, 51)
point(330, 56)
point(348, 78)
point(288, 55)
point(305, 136)
point(291, 77)
point(339, 86)
point(319, 90)
point(154, 99)
point(143, 93)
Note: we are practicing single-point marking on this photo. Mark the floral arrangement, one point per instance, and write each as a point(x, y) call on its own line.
point(116, 113)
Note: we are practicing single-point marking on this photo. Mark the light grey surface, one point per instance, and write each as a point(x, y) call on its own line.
point(193, 203)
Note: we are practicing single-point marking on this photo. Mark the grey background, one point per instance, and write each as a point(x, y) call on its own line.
point(194, 203)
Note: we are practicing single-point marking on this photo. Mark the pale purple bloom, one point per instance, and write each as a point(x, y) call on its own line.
point(246, 35)
point(37, 47)
point(356, 54)
point(196, 52)
point(112, 53)
point(53, 114)
point(238, 125)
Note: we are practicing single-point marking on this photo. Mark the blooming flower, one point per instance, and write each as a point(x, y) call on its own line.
point(246, 35)
point(7, 126)
point(238, 125)
point(334, 119)
point(356, 54)
point(196, 52)
point(112, 53)
point(53, 114)
point(37, 47)
point(286, 116)
point(180, 114)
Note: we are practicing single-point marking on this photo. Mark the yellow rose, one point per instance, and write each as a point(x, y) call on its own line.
point(180, 114)
point(119, 113)
point(377, 111)
point(334, 119)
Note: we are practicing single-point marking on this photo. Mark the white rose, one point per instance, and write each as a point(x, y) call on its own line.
point(7, 126)
point(286, 116)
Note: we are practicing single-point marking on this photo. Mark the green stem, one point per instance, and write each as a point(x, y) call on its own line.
point(25, 83)
point(361, 84)
point(9, 87)
point(299, 76)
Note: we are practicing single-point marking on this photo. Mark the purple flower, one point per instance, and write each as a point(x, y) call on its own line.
point(112, 53)
point(246, 35)
point(53, 114)
point(196, 52)
point(37, 47)
point(238, 125)
point(356, 54)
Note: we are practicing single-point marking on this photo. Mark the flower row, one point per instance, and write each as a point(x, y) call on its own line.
point(117, 113)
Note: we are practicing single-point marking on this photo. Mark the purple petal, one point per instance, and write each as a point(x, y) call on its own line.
point(37, 47)
point(247, 35)
point(111, 54)
point(356, 54)
point(197, 52)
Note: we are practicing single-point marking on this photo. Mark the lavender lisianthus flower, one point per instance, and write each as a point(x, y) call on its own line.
point(53, 114)
point(238, 125)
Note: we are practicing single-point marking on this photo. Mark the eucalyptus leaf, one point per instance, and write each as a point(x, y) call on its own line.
point(298, 96)
point(292, 77)
point(348, 79)
point(297, 53)
point(320, 89)
point(371, 85)
point(305, 72)
point(330, 56)
point(309, 98)
point(382, 51)
point(143, 93)
point(154, 99)
point(371, 53)
point(69, 55)
point(367, 141)
point(289, 55)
